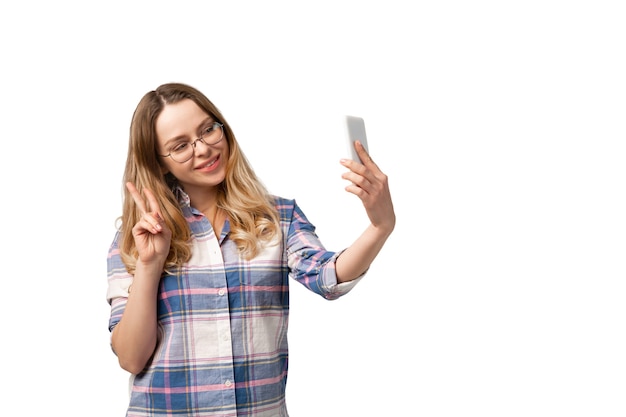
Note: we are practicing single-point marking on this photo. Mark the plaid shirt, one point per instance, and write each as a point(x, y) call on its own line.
point(222, 320)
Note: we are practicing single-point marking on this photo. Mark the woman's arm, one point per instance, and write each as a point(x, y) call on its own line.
point(371, 185)
point(134, 338)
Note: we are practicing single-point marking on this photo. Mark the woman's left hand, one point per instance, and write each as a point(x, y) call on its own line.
point(371, 185)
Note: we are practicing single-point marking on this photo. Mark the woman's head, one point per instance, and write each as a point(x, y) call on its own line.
point(249, 207)
point(145, 153)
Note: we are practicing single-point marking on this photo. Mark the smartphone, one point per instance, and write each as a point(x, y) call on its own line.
point(355, 128)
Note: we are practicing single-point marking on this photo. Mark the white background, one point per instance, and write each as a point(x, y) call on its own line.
point(501, 126)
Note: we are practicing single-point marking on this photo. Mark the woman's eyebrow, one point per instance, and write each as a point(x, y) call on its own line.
point(208, 121)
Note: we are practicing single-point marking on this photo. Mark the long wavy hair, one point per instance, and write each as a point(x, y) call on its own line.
point(250, 208)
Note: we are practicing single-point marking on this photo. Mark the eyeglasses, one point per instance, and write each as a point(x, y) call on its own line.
point(183, 151)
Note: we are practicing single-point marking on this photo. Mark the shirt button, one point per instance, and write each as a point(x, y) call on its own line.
point(228, 383)
point(221, 291)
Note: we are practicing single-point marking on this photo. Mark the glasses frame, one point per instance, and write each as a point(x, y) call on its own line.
point(201, 139)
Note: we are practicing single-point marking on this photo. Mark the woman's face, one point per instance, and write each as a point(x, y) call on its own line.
point(179, 128)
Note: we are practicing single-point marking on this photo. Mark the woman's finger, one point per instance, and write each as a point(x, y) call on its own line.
point(149, 223)
point(153, 204)
point(364, 156)
point(136, 196)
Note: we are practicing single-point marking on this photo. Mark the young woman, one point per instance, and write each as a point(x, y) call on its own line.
point(199, 270)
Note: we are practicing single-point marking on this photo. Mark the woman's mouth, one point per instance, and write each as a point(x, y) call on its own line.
point(209, 166)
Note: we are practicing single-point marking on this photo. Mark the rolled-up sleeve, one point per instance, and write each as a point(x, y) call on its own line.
point(309, 262)
point(119, 281)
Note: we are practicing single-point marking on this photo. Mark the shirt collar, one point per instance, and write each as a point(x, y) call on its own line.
point(181, 196)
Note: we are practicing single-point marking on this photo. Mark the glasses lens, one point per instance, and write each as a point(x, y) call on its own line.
point(182, 154)
point(213, 134)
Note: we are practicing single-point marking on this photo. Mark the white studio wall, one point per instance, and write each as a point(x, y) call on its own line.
point(500, 126)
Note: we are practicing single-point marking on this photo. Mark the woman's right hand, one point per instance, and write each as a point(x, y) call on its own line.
point(152, 236)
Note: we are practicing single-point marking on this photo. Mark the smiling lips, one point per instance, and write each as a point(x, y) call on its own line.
point(209, 165)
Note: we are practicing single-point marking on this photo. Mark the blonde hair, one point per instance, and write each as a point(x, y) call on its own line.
point(250, 208)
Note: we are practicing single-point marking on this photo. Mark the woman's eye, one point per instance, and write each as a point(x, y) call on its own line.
point(180, 147)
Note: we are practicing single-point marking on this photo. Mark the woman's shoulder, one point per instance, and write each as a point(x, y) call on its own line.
point(285, 206)
point(282, 201)
point(289, 210)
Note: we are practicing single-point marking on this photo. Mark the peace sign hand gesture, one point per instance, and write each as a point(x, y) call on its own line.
point(152, 236)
